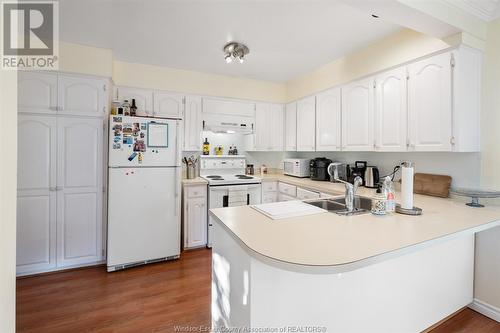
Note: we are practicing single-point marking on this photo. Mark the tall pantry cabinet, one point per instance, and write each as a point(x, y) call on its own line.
point(60, 171)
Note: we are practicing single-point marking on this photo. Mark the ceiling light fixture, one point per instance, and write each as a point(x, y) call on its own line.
point(235, 50)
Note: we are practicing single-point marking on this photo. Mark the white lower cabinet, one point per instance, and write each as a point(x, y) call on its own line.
point(269, 192)
point(79, 191)
point(195, 215)
point(287, 189)
point(59, 222)
point(36, 196)
point(285, 197)
point(303, 194)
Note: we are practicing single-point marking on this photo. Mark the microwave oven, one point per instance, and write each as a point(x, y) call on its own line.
point(297, 167)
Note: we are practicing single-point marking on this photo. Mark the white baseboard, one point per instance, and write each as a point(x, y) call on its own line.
point(485, 309)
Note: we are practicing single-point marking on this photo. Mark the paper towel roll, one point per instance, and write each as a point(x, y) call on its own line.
point(407, 186)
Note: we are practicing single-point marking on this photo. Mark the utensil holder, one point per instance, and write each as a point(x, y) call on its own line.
point(191, 172)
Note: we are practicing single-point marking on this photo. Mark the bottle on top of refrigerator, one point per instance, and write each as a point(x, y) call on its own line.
point(388, 190)
point(206, 147)
point(133, 108)
point(126, 108)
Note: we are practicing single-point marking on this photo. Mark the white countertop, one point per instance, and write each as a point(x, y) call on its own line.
point(328, 239)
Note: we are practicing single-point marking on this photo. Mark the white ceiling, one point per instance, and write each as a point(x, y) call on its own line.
point(286, 38)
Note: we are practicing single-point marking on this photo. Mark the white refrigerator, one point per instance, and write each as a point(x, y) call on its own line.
point(144, 179)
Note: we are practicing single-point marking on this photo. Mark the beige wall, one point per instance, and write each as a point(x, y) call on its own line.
point(147, 76)
point(8, 171)
point(83, 59)
point(487, 277)
point(390, 51)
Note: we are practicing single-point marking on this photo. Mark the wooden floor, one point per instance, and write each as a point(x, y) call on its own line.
point(150, 298)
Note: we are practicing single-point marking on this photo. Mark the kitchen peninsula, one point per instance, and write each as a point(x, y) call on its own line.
point(399, 273)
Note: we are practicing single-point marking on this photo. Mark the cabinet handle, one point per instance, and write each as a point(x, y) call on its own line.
point(52, 189)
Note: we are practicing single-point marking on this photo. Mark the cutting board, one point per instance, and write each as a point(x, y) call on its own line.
point(433, 185)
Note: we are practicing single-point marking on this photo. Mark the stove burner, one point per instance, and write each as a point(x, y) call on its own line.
point(215, 177)
point(243, 177)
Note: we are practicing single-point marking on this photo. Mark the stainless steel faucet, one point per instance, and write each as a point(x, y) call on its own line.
point(350, 192)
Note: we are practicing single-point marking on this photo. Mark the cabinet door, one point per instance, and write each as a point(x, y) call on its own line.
point(81, 96)
point(328, 120)
point(192, 124)
point(275, 127)
point(391, 111)
point(429, 88)
point(37, 92)
point(306, 124)
point(262, 125)
point(36, 196)
point(357, 116)
point(79, 196)
point(168, 105)
point(196, 222)
point(291, 127)
point(143, 99)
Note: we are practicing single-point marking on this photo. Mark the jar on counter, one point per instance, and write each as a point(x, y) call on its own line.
point(379, 203)
point(249, 169)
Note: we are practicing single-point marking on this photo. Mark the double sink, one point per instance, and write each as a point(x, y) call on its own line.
point(362, 205)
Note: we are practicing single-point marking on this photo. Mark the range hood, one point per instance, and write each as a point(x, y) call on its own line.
point(221, 123)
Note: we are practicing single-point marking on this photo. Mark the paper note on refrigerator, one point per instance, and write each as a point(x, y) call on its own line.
point(158, 135)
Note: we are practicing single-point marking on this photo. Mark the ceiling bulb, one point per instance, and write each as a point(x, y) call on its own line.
point(235, 50)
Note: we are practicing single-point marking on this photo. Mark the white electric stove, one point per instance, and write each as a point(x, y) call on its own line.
point(228, 186)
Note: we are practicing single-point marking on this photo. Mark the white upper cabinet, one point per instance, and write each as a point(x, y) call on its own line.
point(36, 196)
point(306, 124)
point(357, 115)
point(291, 126)
point(328, 120)
point(228, 107)
point(391, 111)
point(81, 96)
point(37, 92)
point(143, 99)
point(276, 127)
point(430, 104)
point(79, 185)
point(168, 105)
point(466, 99)
point(268, 127)
point(192, 124)
point(261, 131)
